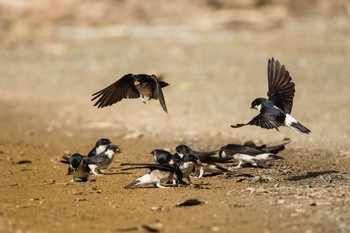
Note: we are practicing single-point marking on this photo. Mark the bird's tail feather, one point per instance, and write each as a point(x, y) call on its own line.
point(132, 184)
point(300, 128)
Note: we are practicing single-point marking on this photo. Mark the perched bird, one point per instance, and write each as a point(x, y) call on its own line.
point(252, 154)
point(101, 161)
point(100, 146)
point(132, 86)
point(161, 156)
point(80, 168)
point(275, 111)
point(158, 174)
point(206, 160)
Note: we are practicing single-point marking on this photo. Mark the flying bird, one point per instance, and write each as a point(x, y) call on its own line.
point(132, 86)
point(275, 111)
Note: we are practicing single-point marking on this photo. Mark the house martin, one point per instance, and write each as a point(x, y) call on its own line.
point(78, 165)
point(132, 86)
point(159, 173)
point(101, 161)
point(186, 165)
point(252, 154)
point(161, 156)
point(206, 160)
point(275, 111)
point(100, 146)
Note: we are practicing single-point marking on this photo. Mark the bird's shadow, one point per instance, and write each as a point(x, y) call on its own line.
point(311, 175)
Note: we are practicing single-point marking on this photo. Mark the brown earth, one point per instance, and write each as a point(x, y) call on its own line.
point(214, 72)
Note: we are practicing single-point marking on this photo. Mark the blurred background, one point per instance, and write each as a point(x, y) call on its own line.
point(56, 53)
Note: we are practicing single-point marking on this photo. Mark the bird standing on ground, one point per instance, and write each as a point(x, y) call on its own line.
point(78, 166)
point(275, 111)
point(132, 86)
point(100, 162)
point(206, 161)
point(249, 153)
point(159, 173)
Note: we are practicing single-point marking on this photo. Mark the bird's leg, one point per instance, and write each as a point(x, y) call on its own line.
point(239, 164)
point(201, 172)
point(175, 184)
point(95, 171)
point(160, 186)
point(143, 99)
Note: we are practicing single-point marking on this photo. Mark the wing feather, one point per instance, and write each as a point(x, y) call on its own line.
point(281, 88)
point(121, 89)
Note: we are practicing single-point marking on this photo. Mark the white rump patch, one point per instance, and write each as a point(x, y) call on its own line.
point(289, 120)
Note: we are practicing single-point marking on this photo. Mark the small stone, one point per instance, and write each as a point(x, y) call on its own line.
point(281, 201)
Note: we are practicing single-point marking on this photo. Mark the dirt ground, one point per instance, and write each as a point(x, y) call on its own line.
point(214, 74)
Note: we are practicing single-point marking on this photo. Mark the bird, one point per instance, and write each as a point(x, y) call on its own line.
point(100, 146)
point(161, 156)
point(132, 86)
point(206, 160)
point(159, 173)
point(252, 154)
point(80, 168)
point(186, 165)
point(101, 161)
point(272, 149)
point(183, 149)
point(275, 111)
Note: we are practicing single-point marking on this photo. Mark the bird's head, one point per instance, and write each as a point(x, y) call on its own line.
point(75, 160)
point(256, 104)
point(141, 79)
point(182, 150)
point(103, 142)
point(113, 148)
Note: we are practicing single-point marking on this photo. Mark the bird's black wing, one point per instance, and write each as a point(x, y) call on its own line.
point(232, 149)
point(150, 166)
point(157, 91)
point(214, 159)
point(124, 88)
point(278, 148)
point(264, 120)
point(281, 88)
point(98, 159)
point(253, 145)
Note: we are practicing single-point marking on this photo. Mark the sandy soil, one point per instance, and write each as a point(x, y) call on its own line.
point(214, 75)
